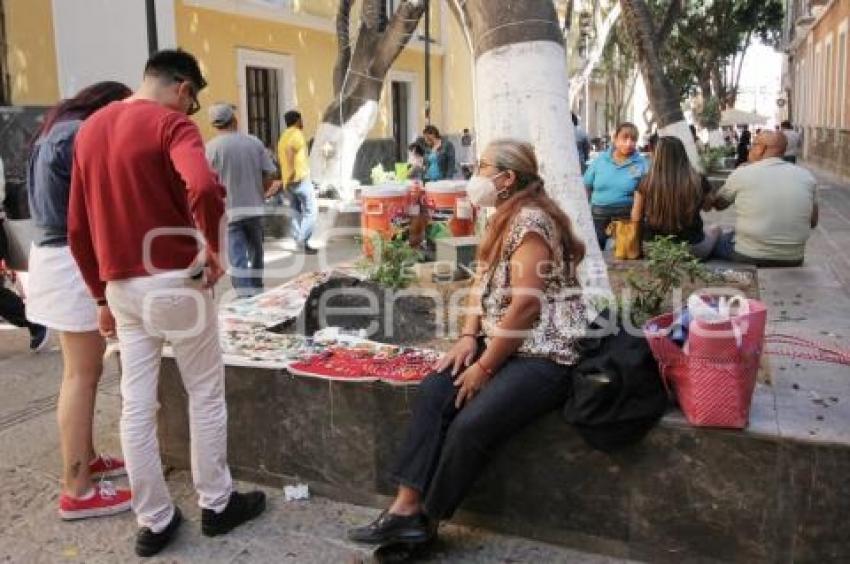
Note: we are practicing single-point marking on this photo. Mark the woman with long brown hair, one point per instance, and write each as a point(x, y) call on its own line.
point(513, 361)
point(58, 298)
point(669, 200)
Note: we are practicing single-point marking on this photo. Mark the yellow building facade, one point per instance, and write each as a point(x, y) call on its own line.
point(265, 56)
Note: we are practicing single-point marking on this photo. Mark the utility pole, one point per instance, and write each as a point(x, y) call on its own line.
point(150, 13)
point(5, 82)
point(428, 62)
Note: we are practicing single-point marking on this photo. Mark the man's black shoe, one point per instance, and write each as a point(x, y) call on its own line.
point(308, 250)
point(241, 507)
point(149, 543)
point(390, 529)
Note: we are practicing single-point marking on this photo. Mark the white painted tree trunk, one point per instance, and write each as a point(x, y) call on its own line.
point(603, 30)
point(335, 150)
point(682, 130)
point(531, 103)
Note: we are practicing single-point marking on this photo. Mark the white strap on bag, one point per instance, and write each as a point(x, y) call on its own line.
point(725, 311)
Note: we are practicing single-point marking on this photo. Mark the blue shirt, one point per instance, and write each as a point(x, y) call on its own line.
point(613, 184)
point(433, 172)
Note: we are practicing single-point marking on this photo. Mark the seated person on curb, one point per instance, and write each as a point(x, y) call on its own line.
point(612, 178)
point(775, 205)
point(669, 200)
point(529, 311)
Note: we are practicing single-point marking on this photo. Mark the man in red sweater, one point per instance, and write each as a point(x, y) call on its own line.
point(143, 225)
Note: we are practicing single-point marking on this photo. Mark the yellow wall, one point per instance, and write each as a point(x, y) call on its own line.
point(459, 77)
point(31, 52)
point(215, 36)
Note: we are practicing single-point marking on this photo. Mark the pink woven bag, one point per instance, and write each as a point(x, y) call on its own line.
point(715, 374)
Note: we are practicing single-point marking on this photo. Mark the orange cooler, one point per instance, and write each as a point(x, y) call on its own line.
point(384, 212)
point(448, 202)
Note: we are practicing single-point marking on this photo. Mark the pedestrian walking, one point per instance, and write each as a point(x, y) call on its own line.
point(794, 141)
point(466, 155)
point(295, 173)
point(58, 298)
point(247, 172)
point(12, 307)
point(743, 146)
point(582, 143)
point(143, 225)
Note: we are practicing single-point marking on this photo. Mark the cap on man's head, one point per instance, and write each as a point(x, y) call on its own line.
point(221, 114)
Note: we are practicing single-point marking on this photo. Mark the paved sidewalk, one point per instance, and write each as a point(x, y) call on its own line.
point(309, 531)
point(812, 301)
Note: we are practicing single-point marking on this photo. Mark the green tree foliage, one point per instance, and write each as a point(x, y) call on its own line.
point(706, 47)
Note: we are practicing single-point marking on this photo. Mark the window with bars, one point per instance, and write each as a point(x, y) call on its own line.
point(263, 104)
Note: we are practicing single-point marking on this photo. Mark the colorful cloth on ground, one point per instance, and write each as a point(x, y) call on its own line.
point(275, 306)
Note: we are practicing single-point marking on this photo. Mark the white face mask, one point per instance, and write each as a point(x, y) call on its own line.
point(482, 191)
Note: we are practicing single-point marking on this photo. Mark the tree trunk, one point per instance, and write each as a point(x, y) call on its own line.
point(603, 30)
point(719, 86)
point(358, 82)
point(522, 91)
point(662, 94)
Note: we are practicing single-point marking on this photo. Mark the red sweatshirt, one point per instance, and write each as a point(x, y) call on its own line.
point(139, 166)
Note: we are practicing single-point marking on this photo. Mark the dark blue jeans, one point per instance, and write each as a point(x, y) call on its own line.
point(446, 449)
point(245, 251)
point(725, 250)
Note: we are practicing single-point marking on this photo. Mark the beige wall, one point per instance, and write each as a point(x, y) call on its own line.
point(31, 52)
point(815, 88)
point(838, 13)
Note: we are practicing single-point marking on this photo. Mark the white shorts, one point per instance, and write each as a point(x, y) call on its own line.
point(57, 296)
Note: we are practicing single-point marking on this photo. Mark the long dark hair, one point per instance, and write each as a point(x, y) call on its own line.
point(85, 103)
point(529, 191)
point(672, 188)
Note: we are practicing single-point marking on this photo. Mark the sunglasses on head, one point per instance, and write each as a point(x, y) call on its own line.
point(196, 105)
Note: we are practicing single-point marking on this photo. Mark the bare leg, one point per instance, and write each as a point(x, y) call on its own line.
point(83, 358)
point(407, 502)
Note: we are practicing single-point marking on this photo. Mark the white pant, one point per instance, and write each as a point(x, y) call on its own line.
point(148, 311)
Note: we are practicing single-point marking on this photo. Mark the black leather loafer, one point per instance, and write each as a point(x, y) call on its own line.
point(394, 529)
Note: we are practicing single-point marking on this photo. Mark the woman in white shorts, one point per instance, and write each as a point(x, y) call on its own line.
point(58, 298)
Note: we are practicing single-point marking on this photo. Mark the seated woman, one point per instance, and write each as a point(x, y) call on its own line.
point(670, 198)
point(612, 178)
point(529, 311)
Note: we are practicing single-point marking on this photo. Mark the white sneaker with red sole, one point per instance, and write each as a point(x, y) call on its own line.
point(104, 466)
point(103, 500)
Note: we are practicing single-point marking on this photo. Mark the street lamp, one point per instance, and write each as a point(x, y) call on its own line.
point(150, 14)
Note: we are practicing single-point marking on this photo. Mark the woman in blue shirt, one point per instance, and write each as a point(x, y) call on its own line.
point(611, 180)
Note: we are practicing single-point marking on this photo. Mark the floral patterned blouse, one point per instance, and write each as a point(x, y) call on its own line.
point(562, 317)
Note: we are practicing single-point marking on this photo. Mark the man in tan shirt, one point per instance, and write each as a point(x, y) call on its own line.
point(775, 204)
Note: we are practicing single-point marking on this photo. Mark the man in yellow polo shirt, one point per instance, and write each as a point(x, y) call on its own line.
point(295, 174)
